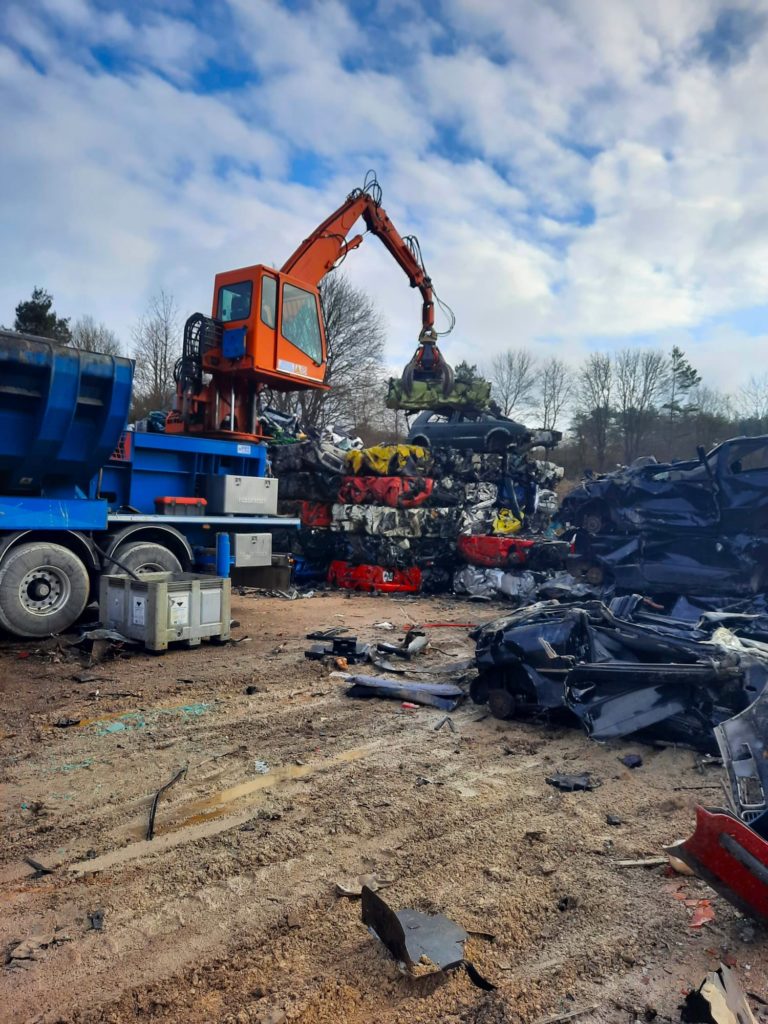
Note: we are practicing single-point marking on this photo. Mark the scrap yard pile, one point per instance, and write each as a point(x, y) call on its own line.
point(624, 670)
point(402, 518)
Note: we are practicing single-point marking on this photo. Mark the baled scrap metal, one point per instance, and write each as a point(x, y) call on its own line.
point(308, 457)
point(309, 486)
point(390, 460)
point(376, 521)
point(468, 466)
point(372, 578)
point(474, 394)
point(395, 504)
point(393, 491)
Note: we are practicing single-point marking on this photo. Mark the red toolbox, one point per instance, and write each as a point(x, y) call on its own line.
point(374, 577)
point(180, 506)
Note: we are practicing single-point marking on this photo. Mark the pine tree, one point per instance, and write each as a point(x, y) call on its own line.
point(36, 316)
point(682, 378)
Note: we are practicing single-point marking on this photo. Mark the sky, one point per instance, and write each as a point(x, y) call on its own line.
point(583, 175)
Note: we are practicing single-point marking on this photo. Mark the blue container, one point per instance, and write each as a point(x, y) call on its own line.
point(61, 414)
point(146, 467)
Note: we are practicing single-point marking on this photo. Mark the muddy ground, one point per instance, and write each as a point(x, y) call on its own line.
point(230, 912)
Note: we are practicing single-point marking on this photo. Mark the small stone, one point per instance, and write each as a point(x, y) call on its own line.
point(294, 920)
point(274, 1016)
point(613, 819)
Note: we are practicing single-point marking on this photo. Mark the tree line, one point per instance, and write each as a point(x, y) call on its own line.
point(613, 407)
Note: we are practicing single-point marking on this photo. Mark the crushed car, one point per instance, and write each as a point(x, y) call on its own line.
point(698, 527)
point(620, 669)
point(722, 491)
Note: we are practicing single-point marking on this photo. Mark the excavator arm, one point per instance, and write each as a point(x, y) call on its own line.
point(328, 245)
point(266, 326)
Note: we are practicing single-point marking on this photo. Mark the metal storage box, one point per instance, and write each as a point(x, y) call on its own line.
point(252, 549)
point(165, 607)
point(241, 495)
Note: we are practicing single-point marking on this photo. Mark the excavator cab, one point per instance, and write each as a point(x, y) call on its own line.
point(271, 329)
point(266, 330)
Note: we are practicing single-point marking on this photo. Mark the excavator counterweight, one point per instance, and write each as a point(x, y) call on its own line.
point(266, 328)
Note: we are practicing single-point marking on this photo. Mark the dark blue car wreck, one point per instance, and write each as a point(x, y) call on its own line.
point(696, 527)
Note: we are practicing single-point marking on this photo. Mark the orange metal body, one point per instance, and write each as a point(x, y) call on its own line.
point(266, 354)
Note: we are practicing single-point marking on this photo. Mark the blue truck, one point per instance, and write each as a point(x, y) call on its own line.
point(81, 495)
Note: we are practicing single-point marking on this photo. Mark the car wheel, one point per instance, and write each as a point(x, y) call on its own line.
point(501, 703)
point(593, 521)
point(497, 442)
point(420, 441)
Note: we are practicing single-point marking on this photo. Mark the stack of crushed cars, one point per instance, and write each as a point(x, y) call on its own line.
point(698, 528)
point(622, 669)
point(402, 518)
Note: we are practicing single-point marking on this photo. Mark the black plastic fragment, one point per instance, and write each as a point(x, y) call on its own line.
point(96, 920)
point(410, 935)
point(632, 761)
point(445, 696)
point(571, 783)
point(153, 810)
point(39, 869)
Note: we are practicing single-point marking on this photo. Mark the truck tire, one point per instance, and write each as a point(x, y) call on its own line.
point(44, 589)
point(143, 557)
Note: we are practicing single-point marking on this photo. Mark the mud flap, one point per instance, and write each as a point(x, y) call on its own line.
point(730, 857)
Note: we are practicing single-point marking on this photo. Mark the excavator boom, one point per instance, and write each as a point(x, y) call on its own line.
point(328, 243)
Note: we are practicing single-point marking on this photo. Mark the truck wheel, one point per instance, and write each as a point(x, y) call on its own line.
point(143, 557)
point(43, 589)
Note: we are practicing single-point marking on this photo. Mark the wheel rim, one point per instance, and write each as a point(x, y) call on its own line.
point(593, 522)
point(45, 590)
point(147, 567)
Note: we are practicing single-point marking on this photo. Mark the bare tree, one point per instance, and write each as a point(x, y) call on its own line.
point(354, 331)
point(555, 390)
point(92, 337)
point(513, 374)
point(156, 347)
point(594, 388)
point(752, 399)
point(641, 377)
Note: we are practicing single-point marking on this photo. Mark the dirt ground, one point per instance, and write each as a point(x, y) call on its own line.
point(230, 913)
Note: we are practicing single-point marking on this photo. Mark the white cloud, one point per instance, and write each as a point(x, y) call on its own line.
point(576, 172)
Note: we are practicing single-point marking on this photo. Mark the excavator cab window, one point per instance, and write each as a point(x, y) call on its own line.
point(268, 300)
point(235, 301)
point(300, 322)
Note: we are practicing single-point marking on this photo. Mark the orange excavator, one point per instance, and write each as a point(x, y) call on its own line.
point(267, 329)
